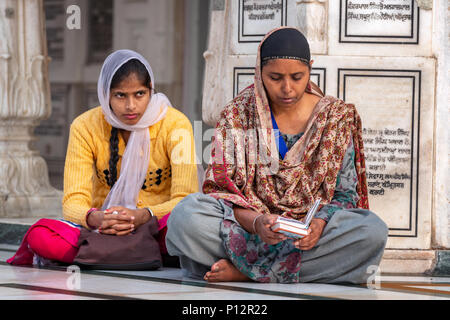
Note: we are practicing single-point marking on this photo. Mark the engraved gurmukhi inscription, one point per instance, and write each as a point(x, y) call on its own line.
point(389, 109)
point(257, 17)
point(387, 21)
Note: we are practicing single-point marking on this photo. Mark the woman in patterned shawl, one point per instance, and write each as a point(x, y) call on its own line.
point(279, 146)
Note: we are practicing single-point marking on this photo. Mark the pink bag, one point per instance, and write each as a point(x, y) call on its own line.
point(50, 239)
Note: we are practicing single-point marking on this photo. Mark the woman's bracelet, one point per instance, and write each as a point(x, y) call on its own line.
point(149, 211)
point(254, 221)
point(87, 217)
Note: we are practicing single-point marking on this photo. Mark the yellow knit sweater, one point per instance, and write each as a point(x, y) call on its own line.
point(171, 175)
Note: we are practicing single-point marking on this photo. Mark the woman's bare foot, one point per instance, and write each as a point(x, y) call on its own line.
point(224, 271)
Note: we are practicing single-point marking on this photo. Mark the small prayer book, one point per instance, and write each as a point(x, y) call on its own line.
point(294, 228)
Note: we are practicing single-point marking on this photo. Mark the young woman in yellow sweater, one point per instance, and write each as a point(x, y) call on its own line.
point(99, 178)
point(129, 159)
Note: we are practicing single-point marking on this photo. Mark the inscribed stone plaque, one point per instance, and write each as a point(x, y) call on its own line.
point(55, 20)
point(387, 21)
point(242, 78)
point(390, 140)
point(257, 17)
point(100, 40)
point(318, 76)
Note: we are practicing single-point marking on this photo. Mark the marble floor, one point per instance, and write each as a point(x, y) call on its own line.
point(32, 283)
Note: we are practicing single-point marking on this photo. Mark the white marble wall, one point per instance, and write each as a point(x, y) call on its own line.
point(383, 56)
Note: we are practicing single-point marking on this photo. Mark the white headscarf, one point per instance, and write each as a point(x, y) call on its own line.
point(136, 157)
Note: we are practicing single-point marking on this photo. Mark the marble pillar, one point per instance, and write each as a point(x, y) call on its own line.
point(25, 190)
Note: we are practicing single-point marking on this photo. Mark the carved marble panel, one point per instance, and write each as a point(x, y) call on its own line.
point(395, 99)
point(379, 28)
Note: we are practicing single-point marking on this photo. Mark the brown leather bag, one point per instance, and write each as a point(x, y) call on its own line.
point(138, 250)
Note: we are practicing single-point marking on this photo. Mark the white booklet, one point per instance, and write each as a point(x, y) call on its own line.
point(294, 228)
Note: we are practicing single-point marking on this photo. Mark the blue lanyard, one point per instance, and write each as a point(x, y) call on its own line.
point(281, 144)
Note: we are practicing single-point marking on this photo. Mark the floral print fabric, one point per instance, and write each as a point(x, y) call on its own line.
point(256, 259)
point(345, 194)
point(281, 262)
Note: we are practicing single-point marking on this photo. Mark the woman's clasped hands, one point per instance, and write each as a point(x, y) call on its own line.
point(118, 220)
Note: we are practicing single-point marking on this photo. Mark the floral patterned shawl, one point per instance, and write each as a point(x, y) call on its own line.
point(246, 169)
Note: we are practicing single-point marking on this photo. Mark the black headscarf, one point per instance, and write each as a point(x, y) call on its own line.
point(286, 43)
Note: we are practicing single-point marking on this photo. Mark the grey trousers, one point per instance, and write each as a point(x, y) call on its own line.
point(351, 245)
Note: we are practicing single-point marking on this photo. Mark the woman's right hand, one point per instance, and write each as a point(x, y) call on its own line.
point(263, 226)
point(255, 222)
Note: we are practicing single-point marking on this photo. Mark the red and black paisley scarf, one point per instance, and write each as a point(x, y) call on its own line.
point(246, 169)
